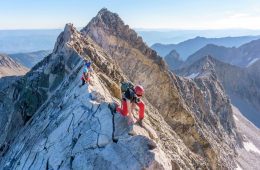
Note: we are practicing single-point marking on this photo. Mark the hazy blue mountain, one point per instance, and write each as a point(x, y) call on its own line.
point(188, 47)
point(30, 59)
point(171, 36)
point(243, 56)
point(173, 60)
point(35, 40)
point(241, 84)
point(17, 41)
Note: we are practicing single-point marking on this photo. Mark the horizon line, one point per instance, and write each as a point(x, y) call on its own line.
point(139, 29)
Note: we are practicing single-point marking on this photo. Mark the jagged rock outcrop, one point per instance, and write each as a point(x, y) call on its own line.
point(8, 67)
point(173, 60)
point(185, 105)
point(241, 84)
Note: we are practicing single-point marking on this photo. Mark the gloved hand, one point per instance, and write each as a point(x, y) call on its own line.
point(137, 99)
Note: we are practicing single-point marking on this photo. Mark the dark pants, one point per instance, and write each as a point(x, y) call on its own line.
point(83, 81)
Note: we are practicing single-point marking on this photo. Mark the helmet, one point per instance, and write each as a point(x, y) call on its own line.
point(88, 63)
point(139, 90)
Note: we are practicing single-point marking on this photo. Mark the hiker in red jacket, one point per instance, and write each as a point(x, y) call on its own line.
point(131, 98)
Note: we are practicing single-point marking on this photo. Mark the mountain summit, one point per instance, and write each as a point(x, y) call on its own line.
point(110, 24)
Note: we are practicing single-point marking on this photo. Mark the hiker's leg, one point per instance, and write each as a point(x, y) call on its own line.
point(141, 109)
point(124, 109)
point(83, 81)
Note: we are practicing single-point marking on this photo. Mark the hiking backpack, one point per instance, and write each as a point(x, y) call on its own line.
point(126, 85)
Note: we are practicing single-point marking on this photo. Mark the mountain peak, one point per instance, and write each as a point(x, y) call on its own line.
point(70, 33)
point(108, 25)
point(6, 61)
point(109, 21)
point(106, 12)
point(174, 54)
point(207, 62)
point(103, 10)
point(173, 60)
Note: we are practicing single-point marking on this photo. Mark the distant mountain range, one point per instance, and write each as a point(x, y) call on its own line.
point(241, 84)
point(30, 59)
point(188, 47)
point(26, 41)
point(9, 67)
point(175, 36)
point(243, 56)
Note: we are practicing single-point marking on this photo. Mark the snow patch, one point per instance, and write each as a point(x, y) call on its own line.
point(235, 118)
point(249, 146)
point(253, 61)
point(193, 75)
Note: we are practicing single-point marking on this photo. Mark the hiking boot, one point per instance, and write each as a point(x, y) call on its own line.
point(139, 122)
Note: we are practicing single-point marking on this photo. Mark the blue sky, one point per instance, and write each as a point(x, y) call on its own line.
point(170, 14)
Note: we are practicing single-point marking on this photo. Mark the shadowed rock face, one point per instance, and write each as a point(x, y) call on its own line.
point(198, 111)
point(241, 84)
